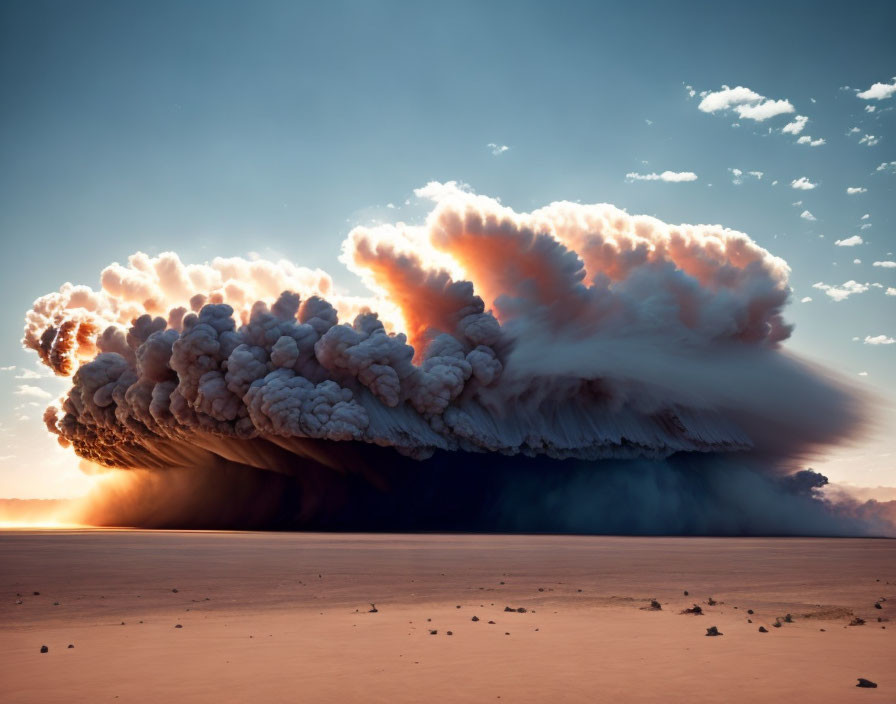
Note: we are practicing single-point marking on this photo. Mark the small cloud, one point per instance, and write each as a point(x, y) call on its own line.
point(885, 264)
point(863, 373)
point(870, 108)
point(852, 190)
point(391, 206)
point(842, 292)
point(757, 174)
point(879, 340)
point(854, 130)
point(806, 215)
point(748, 104)
point(866, 226)
point(29, 374)
point(865, 216)
point(8, 369)
point(890, 291)
point(878, 91)
point(806, 299)
point(797, 203)
point(649, 122)
point(764, 110)
point(775, 182)
point(806, 139)
point(691, 91)
point(869, 139)
point(850, 241)
point(887, 166)
point(856, 261)
point(497, 149)
point(795, 127)
point(32, 391)
point(802, 184)
point(668, 176)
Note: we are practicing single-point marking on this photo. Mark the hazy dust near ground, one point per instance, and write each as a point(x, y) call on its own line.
point(280, 617)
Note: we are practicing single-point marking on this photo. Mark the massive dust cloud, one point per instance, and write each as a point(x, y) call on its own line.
point(575, 368)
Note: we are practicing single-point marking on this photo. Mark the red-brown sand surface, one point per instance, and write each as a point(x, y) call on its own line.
point(275, 617)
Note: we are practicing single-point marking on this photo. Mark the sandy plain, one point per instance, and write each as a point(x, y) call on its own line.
point(286, 617)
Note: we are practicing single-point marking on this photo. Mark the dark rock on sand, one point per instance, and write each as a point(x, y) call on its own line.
point(492, 622)
point(857, 622)
point(475, 618)
point(877, 605)
point(696, 609)
point(711, 601)
point(866, 683)
point(655, 605)
point(433, 632)
point(713, 631)
point(44, 649)
point(373, 609)
point(750, 611)
point(788, 618)
point(178, 626)
point(763, 629)
point(70, 645)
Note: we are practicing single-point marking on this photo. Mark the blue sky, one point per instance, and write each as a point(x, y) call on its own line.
point(220, 128)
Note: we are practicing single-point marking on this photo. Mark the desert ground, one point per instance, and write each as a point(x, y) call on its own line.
point(288, 617)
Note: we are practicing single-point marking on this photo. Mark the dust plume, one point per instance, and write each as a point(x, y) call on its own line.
point(575, 368)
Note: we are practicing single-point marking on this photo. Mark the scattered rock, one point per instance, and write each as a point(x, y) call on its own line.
point(866, 683)
point(857, 622)
point(449, 633)
point(877, 605)
point(506, 633)
point(55, 603)
point(713, 631)
point(36, 593)
point(763, 629)
point(492, 623)
point(696, 609)
point(373, 609)
point(71, 645)
point(433, 631)
point(655, 605)
point(776, 624)
point(541, 589)
point(821, 629)
point(711, 601)
point(457, 607)
point(749, 620)
point(508, 609)
point(178, 625)
point(19, 602)
point(750, 611)
point(44, 649)
point(788, 618)
point(686, 592)
point(174, 591)
point(578, 590)
point(475, 618)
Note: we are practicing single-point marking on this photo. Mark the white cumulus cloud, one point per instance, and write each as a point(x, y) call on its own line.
point(32, 391)
point(852, 190)
point(806, 215)
point(879, 340)
point(802, 184)
point(878, 91)
point(850, 241)
point(497, 149)
point(842, 292)
point(795, 127)
point(748, 104)
point(886, 264)
point(669, 176)
point(806, 299)
point(887, 166)
point(806, 139)
point(869, 139)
